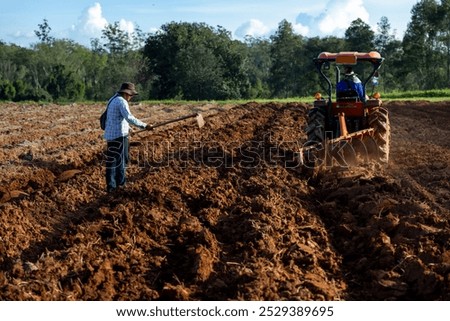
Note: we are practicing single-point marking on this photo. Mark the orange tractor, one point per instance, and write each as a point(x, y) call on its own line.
point(351, 128)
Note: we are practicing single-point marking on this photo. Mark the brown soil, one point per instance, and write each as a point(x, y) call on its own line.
point(220, 213)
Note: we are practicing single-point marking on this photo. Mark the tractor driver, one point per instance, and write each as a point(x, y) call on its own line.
point(350, 83)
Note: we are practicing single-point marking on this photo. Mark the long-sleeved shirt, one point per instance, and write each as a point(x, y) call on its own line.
point(118, 119)
point(352, 83)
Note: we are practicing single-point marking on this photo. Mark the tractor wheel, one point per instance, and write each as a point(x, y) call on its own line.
point(315, 130)
point(379, 121)
point(316, 126)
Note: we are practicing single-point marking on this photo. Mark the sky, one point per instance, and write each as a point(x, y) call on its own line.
point(83, 20)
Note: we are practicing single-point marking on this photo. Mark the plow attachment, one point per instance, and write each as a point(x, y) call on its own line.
point(349, 148)
point(344, 151)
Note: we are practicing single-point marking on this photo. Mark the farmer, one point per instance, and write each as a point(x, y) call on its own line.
point(116, 134)
point(351, 83)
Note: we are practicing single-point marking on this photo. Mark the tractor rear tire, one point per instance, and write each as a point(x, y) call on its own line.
point(315, 131)
point(379, 121)
point(316, 126)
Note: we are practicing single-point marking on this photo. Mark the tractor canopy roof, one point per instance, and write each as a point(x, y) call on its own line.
point(349, 57)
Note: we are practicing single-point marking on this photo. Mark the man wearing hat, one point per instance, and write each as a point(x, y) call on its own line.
point(116, 134)
point(351, 82)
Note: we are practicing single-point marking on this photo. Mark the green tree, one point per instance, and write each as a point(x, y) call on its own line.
point(16, 64)
point(60, 68)
point(285, 72)
point(23, 91)
point(383, 38)
point(258, 66)
point(118, 41)
point(443, 36)
point(43, 33)
point(312, 82)
point(390, 49)
point(96, 65)
point(125, 61)
point(185, 57)
point(63, 84)
point(424, 65)
point(7, 90)
point(199, 78)
point(359, 36)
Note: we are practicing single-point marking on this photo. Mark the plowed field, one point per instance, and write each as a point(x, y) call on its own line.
point(224, 212)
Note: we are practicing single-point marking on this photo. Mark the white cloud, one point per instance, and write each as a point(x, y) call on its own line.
point(335, 19)
point(254, 28)
point(21, 38)
point(154, 30)
point(25, 35)
point(300, 29)
point(91, 22)
point(341, 13)
point(126, 26)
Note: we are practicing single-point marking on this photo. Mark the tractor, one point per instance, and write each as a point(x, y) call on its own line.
point(350, 128)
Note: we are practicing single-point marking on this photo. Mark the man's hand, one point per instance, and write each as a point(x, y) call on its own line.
point(149, 127)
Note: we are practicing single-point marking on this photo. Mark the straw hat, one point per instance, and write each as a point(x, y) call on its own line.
point(128, 88)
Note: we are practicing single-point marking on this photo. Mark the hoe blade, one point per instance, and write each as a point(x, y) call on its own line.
point(200, 120)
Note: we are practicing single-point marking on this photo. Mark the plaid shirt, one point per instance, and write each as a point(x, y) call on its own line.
point(118, 117)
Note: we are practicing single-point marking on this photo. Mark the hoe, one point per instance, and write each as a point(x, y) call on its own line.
point(198, 117)
point(343, 131)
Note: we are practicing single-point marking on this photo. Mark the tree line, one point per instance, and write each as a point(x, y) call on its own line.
point(195, 61)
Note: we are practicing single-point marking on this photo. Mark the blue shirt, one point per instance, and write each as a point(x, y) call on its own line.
point(354, 84)
point(118, 119)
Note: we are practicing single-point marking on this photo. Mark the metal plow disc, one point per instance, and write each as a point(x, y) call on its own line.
point(371, 151)
point(340, 154)
point(345, 151)
point(352, 151)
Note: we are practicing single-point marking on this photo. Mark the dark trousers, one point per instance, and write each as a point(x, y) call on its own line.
point(116, 162)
